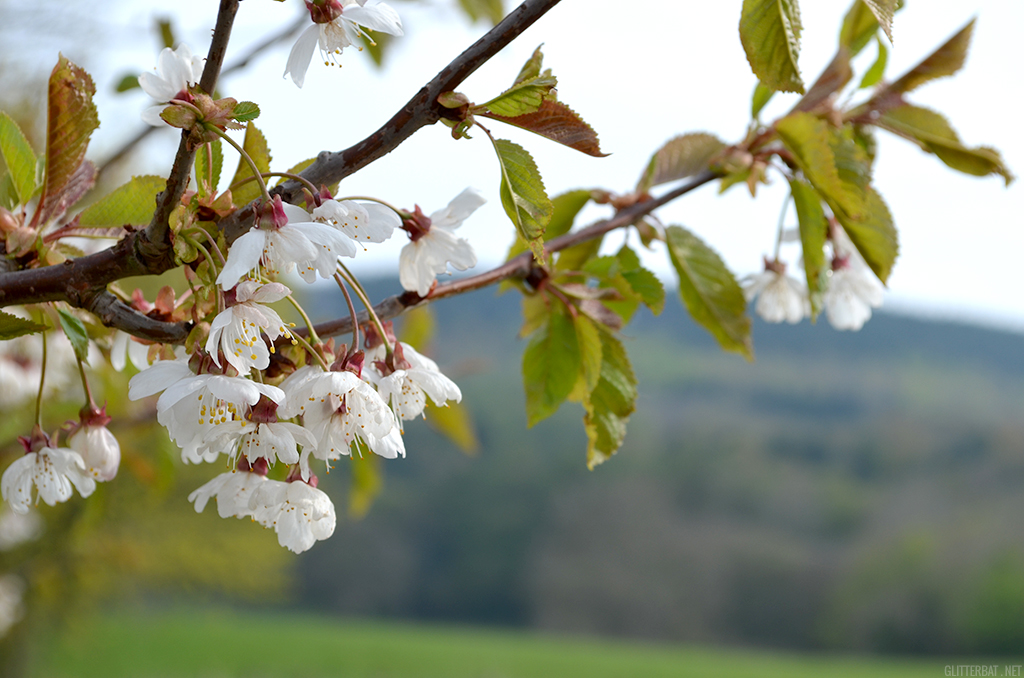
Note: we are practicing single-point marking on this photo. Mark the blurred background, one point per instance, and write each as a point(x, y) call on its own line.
point(848, 494)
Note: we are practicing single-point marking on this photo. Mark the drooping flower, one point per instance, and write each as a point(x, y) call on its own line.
point(362, 222)
point(853, 289)
point(299, 513)
point(262, 436)
point(176, 71)
point(50, 469)
point(414, 377)
point(779, 297)
point(287, 238)
point(12, 587)
point(99, 448)
point(124, 350)
point(196, 408)
point(237, 329)
point(337, 25)
point(433, 244)
point(232, 490)
point(339, 408)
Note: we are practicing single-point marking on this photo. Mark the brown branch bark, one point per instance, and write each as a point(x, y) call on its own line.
point(517, 267)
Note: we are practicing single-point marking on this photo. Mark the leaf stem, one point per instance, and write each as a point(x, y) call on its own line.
point(256, 174)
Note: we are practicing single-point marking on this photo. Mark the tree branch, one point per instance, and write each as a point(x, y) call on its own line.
point(517, 267)
point(420, 111)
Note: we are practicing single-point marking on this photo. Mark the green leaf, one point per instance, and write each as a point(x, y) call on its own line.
point(366, 483)
point(12, 326)
point(71, 119)
point(874, 74)
point(255, 145)
point(129, 204)
point(813, 231)
point(491, 10)
point(565, 208)
point(536, 310)
point(417, 326)
point(575, 258)
point(933, 133)
point(710, 291)
point(209, 161)
point(522, 193)
point(19, 158)
point(944, 61)
point(874, 234)
point(531, 69)
point(770, 33)
point(588, 337)
point(680, 157)
point(127, 83)
point(883, 11)
point(762, 95)
point(627, 258)
point(519, 99)
point(610, 402)
point(454, 422)
point(166, 31)
point(244, 111)
point(8, 192)
point(859, 26)
point(75, 329)
point(808, 139)
point(647, 286)
point(376, 46)
point(557, 122)
point(551, 364)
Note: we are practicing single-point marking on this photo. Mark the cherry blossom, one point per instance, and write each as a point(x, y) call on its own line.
point(232, 490)
point(262, 436)
point(50, 469)
point(237, 329)
point(337, 25)
point(362, 222)
point(853, 289)
point(299, 513)
point(779, 297)
point(433, 244)
point(406, 388)
point(287, 239)
point(176, 71)
point(339, 408)
point(99, 448)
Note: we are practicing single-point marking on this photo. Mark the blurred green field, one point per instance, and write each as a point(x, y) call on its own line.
point(221, 643)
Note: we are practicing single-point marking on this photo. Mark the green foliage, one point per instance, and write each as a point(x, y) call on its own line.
point(770, 33)
point(813, 231)
point(19, 158)
point(12, 326)
point(944, 61)
point(522, 193)
point(551, 365)
point(255, 145)
point(859, 26)
point(808, 139)
point(710, 291)
point(531, 69)
point(244, 111)
point(762, 95)
point(366, 482)
point(127, 83)
point(680, 157)
point(874, 74)
point(610, 403)
point(131, 204)
point(71, 119)
point(874, 234)
point(455, 423)
point(75, 331)
point(556, 121)
point(883, 11)
point(933, 133)
point(521, 98)
point(208, 165)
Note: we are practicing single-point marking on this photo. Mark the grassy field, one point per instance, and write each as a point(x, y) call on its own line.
point(219, 644)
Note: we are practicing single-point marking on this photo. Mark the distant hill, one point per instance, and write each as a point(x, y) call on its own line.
point(846, 490)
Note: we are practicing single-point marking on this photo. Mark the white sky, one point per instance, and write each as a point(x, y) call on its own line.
point(639, 73)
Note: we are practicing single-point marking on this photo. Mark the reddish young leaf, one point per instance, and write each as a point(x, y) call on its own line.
point(558, 122)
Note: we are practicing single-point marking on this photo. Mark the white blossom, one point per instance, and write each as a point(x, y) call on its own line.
point(124, 349)
point(18, 528)
point(236, 330)
point(779, 297)
point(853, 289)
point(176, 70)
point(11, 609)
point(233, 490)
point(300, 514)
point(273, 441)
point(429, 253)
point(339, 408)
point(406, 390)
point(362, 222)
point(339, 33)
point(21, 366)
point(99, 449)
point(301, 244)
point(52, 471)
